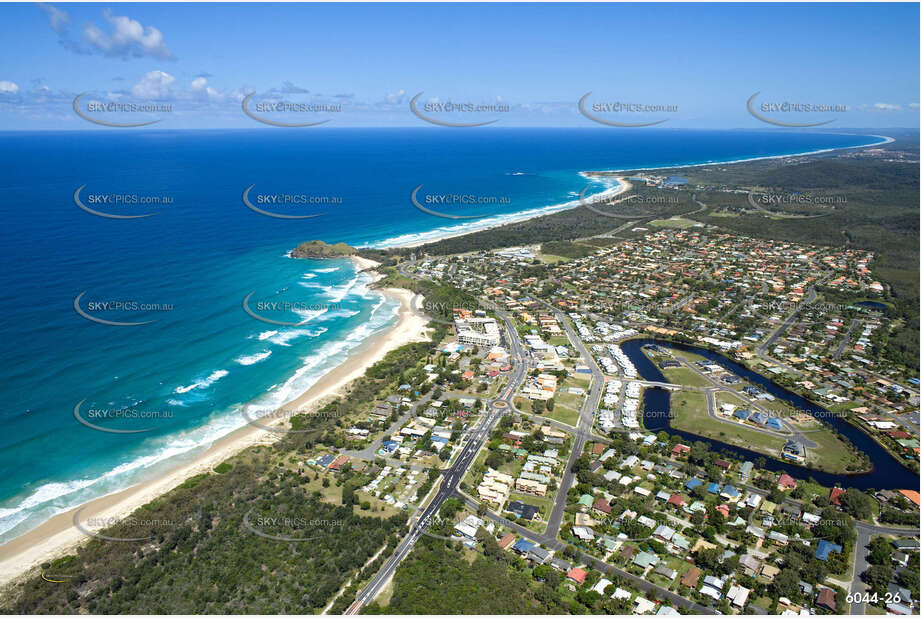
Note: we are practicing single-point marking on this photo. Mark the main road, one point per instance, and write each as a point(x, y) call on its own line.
point(451, 477)
point(583, 429)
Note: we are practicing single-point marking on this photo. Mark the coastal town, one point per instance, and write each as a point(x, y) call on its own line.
point(526, 432)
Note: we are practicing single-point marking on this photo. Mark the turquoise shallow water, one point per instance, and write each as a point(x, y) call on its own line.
point(203, 356)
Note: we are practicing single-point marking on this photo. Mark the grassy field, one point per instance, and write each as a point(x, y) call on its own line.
point(689, 413)
point(685, 376)
point(678, 222)
point(566, 409)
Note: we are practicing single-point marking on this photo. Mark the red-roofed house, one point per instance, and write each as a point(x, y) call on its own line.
point(723, 510)
point(834, 496)
point(577, 575)
point(912, 495)
point(507, 540)
point(602, 506)
point(680, 450)
point(676, 500)
point(786, 482)
point(340, 461)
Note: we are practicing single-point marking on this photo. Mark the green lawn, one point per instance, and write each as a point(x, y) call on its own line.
point(685, 376)
point(678, 222)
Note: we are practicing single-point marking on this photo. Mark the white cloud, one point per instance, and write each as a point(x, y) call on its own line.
point(58, 20)
point(914, 105)
point(126, 38)
point(200, 86)
point(7, 87)
point(396, 98)
point(154, 85)
point(887, 107)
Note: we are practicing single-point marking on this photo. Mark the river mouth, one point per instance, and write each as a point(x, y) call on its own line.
point(887, 471)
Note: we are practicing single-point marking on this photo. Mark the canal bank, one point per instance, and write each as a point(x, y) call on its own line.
point(887, 472)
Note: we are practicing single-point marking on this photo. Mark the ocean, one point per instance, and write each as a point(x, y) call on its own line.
point(171, 386)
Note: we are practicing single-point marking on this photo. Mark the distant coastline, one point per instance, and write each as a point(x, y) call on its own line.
point(489, 223)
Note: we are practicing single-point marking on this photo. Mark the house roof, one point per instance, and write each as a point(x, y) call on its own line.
point(691, 578)
point(507, 540)
point(825, 548)
point(577, 575)
point(523, 545)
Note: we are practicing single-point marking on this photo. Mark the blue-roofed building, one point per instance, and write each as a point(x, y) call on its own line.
point(713, 488)
point(324, 460)
point(742, 415)
point(825, 548)
point(758, 417)
point(695, 482)
point(730, 493)
point(523, 546)
point(774, 423)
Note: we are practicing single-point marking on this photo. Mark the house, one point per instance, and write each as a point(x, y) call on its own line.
point(738, 595)
point(602, 507)
point(622, 594)
point(900, 558)
point(645, 559)
point(834, 496)
point(826, 599)
point(584, 534)
point(340, 461)
point(523, 546)
point(681, 450)
point(676, 500)
point(665, 572)
point(560, 565)
point(745, 471)
point(750, 565)
point(691, 578)
point(642, 605)
point(905, 544)
point(713, 587)
point(577, 575)
point(778, 537)
point(792, 511)
point(523, 511)
point(786, 482)
point(602, 584)
point(664, 533)
point(507, 540)
point(694, 482)
point(324, 460)
point(826, 548)
point(538, 554)
point(681, 543)
point(713, 488)
point(811, 519)
point(730, 493)
point(769, 572)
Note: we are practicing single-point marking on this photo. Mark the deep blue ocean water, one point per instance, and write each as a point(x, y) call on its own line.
point(203, 356)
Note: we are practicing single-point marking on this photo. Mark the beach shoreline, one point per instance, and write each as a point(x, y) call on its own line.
point(595, 174)
point(59, 536)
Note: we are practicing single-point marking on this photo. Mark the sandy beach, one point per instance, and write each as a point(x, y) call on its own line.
point(523, 216)
point(58, 536)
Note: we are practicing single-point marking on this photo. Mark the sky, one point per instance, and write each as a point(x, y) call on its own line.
point(687, 65)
